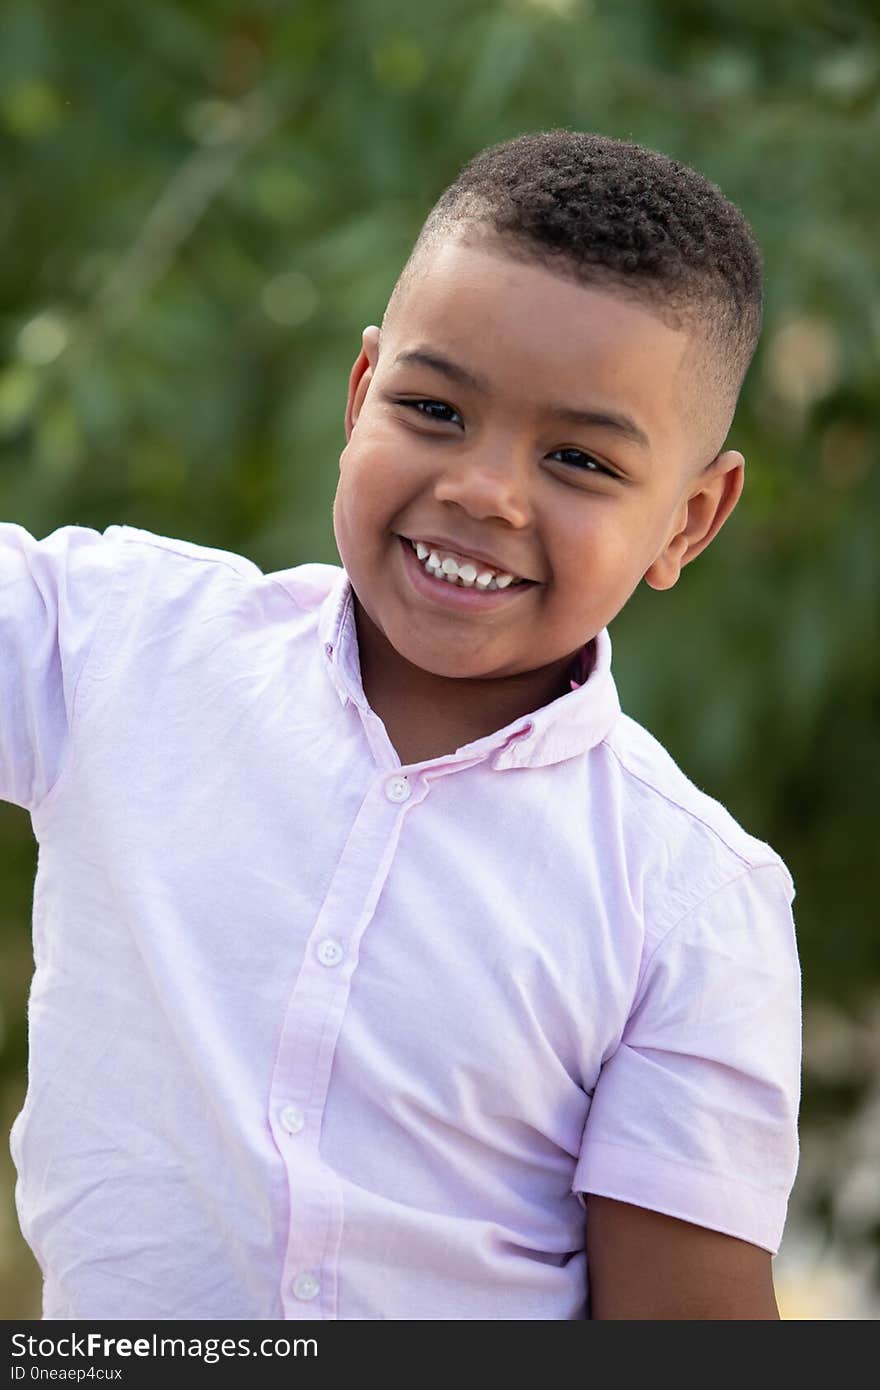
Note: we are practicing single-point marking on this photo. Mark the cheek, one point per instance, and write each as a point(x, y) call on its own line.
point(368, 498)
point(351, 508)
point(592, 536)
point(358, 482)
point(372, 469)
point(599, 557)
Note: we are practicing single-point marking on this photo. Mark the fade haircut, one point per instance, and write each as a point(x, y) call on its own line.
point(611, 213)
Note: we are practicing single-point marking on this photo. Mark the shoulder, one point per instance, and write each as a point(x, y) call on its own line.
point(184, 562)
point(145, 547)
point(682, 844)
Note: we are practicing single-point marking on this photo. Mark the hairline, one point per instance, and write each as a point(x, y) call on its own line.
point(475, 230)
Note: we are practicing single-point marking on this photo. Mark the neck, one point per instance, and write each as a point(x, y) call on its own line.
point(462, 708)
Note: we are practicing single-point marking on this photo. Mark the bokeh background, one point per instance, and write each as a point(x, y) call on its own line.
point(204, 204)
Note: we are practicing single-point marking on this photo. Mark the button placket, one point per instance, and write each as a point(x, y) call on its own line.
point(313, 1020)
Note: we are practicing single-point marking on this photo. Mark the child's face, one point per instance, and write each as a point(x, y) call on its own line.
point(582, 508)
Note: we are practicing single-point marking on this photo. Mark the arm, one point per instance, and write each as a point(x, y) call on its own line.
point(643, 1265)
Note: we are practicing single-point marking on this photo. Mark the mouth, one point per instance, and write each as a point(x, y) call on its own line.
point(461, 570)
point(459, 588)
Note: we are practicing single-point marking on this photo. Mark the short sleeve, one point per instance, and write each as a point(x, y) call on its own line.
point(695, 1113)
point(53, 594)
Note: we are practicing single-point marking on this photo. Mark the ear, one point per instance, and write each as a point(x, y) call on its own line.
point(712, 498)
point(361, 376)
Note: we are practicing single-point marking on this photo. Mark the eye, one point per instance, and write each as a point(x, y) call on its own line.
point(585, 462)
point(427, 408)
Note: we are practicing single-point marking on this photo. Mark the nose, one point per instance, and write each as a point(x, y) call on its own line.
point(486, 483)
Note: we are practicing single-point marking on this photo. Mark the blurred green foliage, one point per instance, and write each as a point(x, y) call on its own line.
point(205, 203)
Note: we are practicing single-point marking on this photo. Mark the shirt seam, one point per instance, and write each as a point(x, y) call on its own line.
point(287, 593)
point(132, 536)
point(647, 961)
point(750, 865)
point(687, 810)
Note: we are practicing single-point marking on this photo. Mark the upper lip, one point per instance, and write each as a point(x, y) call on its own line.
point(462, 548)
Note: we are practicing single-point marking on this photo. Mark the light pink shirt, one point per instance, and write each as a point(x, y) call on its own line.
point(314, 1035)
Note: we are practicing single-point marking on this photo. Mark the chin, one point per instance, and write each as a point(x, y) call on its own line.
point(449, 666)
point(453, 669)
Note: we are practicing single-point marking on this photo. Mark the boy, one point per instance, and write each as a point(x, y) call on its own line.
point(384, 968)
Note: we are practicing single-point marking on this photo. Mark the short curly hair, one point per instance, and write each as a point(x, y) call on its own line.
point(610, 212)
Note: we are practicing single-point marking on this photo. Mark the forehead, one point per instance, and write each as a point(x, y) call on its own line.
point(527, 332)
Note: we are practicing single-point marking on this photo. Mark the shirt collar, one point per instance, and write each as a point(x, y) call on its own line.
point(571, 724)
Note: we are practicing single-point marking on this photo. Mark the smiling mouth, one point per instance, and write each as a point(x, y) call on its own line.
point(452, 593)
point(461, 571)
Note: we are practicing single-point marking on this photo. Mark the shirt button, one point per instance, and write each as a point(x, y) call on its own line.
point(292, 1119)
point(306, 1286)
point(330, 952)
point(398, 789)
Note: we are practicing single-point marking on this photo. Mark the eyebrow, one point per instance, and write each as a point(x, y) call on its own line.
point(622, 424)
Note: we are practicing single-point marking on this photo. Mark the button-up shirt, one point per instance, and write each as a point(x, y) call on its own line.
point(317, 1035)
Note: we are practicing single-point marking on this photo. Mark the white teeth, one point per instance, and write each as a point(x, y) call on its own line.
point(465, 575)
